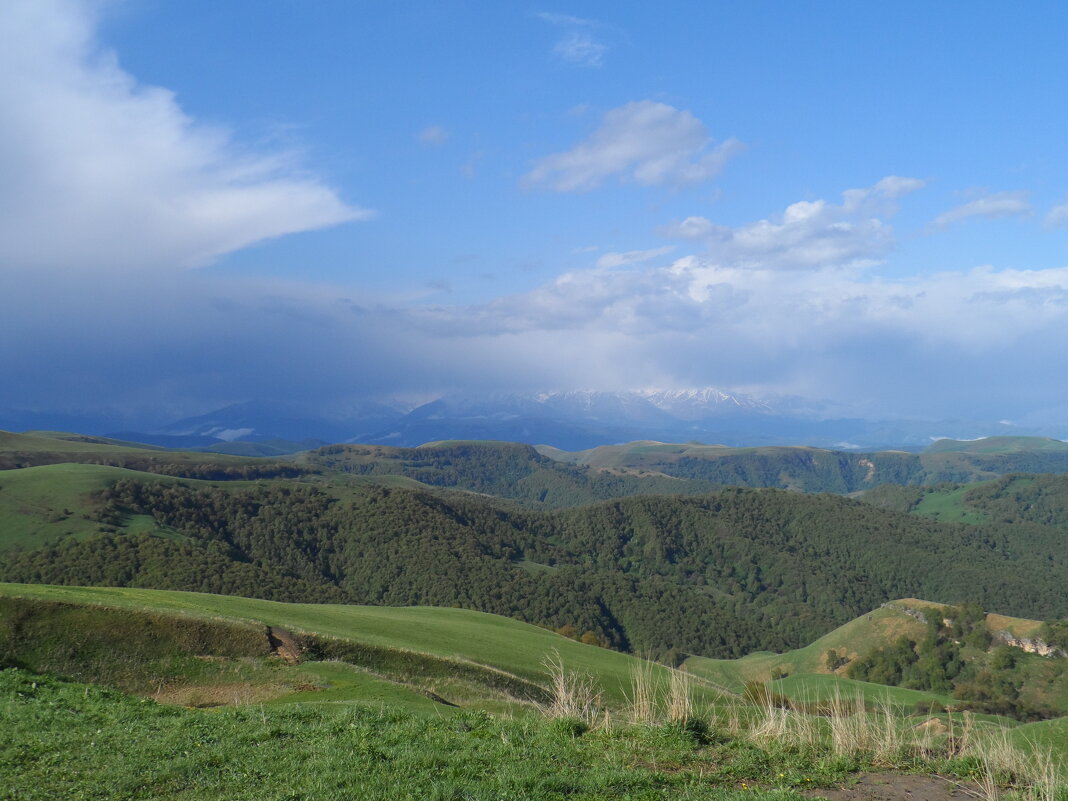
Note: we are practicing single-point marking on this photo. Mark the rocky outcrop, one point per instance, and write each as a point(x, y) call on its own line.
point(1032, 645)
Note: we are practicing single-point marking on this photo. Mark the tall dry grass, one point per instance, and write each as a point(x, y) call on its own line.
point(680, 697)
point(1032, 773)
point(655, 698)
point(572, 695)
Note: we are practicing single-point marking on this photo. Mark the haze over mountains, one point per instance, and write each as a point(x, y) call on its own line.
point(569, 420)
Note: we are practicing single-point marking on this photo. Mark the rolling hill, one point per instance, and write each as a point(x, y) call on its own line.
point(398, 699)
point(719, 574)
point(819, 470)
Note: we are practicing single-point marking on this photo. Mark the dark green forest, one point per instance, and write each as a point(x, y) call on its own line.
point(519, 472)
point(720, 574)
point(502, 469)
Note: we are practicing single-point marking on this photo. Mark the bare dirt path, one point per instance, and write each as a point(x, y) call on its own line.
point(900, 787)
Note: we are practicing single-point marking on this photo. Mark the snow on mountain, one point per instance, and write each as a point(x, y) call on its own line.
point(698, 404)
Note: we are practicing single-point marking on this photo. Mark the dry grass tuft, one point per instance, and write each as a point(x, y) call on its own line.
point(680, 697)
point(573, 695)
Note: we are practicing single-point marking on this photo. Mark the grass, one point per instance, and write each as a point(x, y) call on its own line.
point(611, 725)
point(997, 445)
point(43, 504)
point(339, 683)
point(852, 639)
point(514, 648)
point(71, 741)
point(65, 740)
point(818, 687)
point(949, 507)
point(40, 441)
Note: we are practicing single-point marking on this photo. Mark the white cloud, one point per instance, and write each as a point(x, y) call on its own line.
point(610, 260)
point(991, 206)
point(946, 343)
point(567, 20)
point(692, 228)
point(1057, 216)
point(102, 172)
point(643, 142)
point(578, 44)
point(581, 48)
point(433, 135)
point(808, 234)
point(937, 344)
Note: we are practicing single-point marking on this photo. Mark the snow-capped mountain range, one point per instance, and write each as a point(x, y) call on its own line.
point(566, 419)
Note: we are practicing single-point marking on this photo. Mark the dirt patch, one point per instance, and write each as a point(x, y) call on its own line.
point(900, 787)
point(285, 645)
point(228, 694)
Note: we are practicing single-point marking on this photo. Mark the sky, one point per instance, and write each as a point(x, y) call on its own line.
point(323, 201)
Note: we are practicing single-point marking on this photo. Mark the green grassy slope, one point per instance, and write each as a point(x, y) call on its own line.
point(68, 436)
point(44, 504)
point(858, 636)
point(806, 675)
point(454, 634)
point(950, 506)
point(64, 740)
point(30, 450)
point(62, 442)
point(997, 445)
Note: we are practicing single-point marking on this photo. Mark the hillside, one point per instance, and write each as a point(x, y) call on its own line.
point(819, 470)
point(718, 575)
point(139, 640)
point(551, 478)
point(31, 450)
point(47, 504)
point(503, 469)
point(409, 690)
point(134, 638)
point(1018, 500)
point(824, 666)
point(998, 445)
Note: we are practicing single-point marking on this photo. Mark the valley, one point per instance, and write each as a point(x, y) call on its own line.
point(706, 592)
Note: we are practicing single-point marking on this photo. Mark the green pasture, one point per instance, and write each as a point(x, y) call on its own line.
point(858, 636)
point(497, 642)
point(948, 506)
point(39, 505)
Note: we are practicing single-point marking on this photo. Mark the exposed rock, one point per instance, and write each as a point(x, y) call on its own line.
point(285, 645)
point(1032, 645)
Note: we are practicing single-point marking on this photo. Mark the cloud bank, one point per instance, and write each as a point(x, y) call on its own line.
point(762, 313)
point(102, 172)
point(808, 234)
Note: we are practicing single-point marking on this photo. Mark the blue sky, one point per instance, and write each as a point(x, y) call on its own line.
point(319, 201)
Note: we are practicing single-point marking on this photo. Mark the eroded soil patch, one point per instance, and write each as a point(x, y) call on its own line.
point(900, 787)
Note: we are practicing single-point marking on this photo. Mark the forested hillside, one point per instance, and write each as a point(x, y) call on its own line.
point(820, 470)
point(504, 469)
point(719, 574)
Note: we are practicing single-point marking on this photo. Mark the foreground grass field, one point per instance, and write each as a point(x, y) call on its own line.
point(63, 740)
point(401, 711)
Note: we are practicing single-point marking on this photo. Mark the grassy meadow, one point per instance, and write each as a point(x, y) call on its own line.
point(431, 706)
